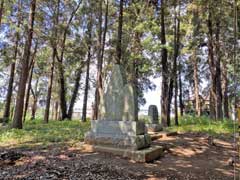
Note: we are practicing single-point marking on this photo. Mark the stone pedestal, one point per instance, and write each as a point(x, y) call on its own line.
point(117, 130)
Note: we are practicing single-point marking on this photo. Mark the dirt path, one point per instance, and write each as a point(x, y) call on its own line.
point(187, 156)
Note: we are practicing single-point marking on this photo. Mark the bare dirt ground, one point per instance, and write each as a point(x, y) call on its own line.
point(187, 156)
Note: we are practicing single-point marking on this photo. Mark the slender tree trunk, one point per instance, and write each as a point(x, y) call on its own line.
point(170, 95)
point(17, 120)
point(219, 111)
point(12, 71)
point(176, 53)
point(225, 90)
point(35, 100)
point(63, 103)
point(180, 90)
point(84, 111)
point(119, 39)
point(54, 55)
point(28, 93)
point(211, 63)
point(99, 63)
point(164, 98)
point(30, 81)
point(196, 85)
point(1, 11)
point(49, 92)
point(56, 110)
point(75, 93)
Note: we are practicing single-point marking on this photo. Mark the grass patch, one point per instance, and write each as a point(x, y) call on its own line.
point(37, 133)
point(204, 124)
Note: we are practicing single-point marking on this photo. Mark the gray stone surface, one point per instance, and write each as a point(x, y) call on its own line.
point(119, 134)
point(117, 129)
point(153, 114)
point(144, 155)
point(119, 102)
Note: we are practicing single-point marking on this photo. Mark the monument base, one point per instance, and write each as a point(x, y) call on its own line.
point(144, 155)
point(118, 134)
point(154, 127)
point(125, 138)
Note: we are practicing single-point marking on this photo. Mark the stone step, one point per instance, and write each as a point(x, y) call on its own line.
point(144, 155)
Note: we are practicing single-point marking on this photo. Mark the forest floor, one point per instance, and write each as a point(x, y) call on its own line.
point(190, 155)
point(202, 149)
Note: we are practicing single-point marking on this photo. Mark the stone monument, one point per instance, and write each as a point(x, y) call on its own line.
point(153, 125)
point(117, 131)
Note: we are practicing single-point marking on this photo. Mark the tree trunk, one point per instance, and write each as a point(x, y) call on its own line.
point(17, 120)
point(63, 103)
point(49, 92)
point(119, 39)
point(1, 11)
point(176, 53)
point(84, 109)
point(225, 90)
point(180, 90)
point(75, 93)
point(56, 110)
point(212, 66)
point(30, 81)
point(164, 98)
point(219, 111)
point(12, 71)
point(196, 85)
point(99, 64)
point(54, 54)
point(35, 100)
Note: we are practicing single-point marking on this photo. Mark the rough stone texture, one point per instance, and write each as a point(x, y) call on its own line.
point(144, 155)
point(118, 103)
point(154, 125)
point(153, 114)
point(119, 134)
point(117, 130)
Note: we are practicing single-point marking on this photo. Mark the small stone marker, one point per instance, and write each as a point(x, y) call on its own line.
point(153, 125)
point(153, 114)
point(117, 131)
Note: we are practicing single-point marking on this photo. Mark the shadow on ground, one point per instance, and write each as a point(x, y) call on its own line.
point(187, 156)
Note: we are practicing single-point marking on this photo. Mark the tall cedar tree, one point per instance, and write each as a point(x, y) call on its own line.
point(18, 115)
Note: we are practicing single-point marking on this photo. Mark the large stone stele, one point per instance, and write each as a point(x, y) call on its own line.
point(117, 130)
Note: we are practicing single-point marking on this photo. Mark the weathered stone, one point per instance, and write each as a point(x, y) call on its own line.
point(118, 103)
point(143, 155)
point(153, 114)
point(153, 125)
point(117, 130)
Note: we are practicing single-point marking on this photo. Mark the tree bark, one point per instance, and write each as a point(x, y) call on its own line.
point(212, 66)
point(17, 120)
point(84, 111)
point(99, 63)
point(54, 54)
point(176, 54)
point(1, 11)
point(30, 81)
point(75, 93)
point(119, 39)
point(196, 85)
point(180, 90)
point(164, 98)
point(35, 100)
point(12, 71)
point(225, 90)
point(63, 103)
point(219, 111)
